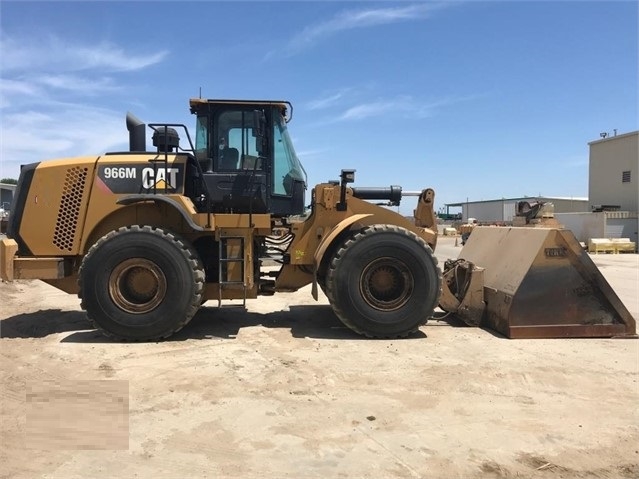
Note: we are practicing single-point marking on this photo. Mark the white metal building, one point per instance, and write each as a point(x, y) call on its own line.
point(503, 210)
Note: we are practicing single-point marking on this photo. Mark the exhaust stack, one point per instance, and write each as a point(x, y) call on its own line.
point(137, 132)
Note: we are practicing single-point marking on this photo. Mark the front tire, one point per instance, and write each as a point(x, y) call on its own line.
point(384, 282)
point(141, 283)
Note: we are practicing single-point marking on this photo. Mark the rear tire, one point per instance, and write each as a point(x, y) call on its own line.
point(141, 283)
point(384, 282)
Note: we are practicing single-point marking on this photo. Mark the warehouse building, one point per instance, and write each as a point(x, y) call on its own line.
point(502, 211)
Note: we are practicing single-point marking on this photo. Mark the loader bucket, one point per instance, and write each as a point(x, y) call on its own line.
point(540, 283)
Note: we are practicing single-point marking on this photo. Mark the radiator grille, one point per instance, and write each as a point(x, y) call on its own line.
point(67, 222)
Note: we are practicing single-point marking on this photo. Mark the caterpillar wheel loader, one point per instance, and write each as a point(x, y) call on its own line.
point(145, 237)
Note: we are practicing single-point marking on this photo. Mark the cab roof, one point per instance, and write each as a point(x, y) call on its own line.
point(197, 103)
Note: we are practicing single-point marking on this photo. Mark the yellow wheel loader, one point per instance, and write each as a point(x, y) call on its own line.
point(145, 237)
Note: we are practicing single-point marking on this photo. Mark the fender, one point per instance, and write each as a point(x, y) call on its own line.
point(326, 242)
point(132, 199)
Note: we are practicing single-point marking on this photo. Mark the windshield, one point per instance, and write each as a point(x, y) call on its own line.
point(286, 165)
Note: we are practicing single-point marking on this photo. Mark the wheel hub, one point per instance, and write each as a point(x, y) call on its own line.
point(137, 285)
point(386, 284)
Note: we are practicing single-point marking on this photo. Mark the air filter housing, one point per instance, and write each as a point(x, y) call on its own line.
point(165, 139)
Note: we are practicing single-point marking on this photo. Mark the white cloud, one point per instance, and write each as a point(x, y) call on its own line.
point(16, 87)
point(62, 56)
point(377, 108)
point(32, 136)
point(354, 19)
point(43, 95)
point(405, 106)
point(107, 56)
point(77, 84)
point(327, 101)
point(11, 89)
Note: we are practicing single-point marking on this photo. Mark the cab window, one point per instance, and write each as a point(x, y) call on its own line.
point(234, 143)
point(202, 138)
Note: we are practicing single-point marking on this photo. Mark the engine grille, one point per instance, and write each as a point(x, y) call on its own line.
point(70, 203)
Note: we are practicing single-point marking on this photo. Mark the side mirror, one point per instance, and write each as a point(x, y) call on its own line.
point(259, 131)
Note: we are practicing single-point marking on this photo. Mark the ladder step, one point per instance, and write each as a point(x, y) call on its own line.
point(232, 306)
point(223, 280)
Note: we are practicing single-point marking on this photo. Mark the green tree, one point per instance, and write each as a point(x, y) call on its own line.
point(9, 181)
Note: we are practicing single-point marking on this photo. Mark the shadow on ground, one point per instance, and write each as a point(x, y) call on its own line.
point(314, 321)
point(43, 323)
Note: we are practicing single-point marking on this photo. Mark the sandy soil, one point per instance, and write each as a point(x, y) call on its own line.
point(284, 390)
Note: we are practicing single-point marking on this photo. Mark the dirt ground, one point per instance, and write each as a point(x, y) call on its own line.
point(284, 390)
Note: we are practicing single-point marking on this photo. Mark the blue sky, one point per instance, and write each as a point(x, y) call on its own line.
point(478, 100)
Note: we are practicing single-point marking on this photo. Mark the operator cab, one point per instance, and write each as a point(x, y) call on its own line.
point(247, 158)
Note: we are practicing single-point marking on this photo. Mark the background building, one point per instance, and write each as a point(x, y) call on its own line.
point(613, 191)
point(610, 211)
point(6, 195)
point(503, 210)
point(613, 170)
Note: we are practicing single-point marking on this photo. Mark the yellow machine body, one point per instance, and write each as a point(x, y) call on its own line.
point(70, 206)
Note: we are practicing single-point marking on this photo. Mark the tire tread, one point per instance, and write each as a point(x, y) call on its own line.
point(334, 265)
point(187, 251)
